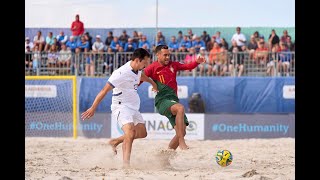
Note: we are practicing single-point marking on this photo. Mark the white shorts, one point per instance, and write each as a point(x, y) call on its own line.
point(270, 64)
point(124, 115)
point(286, 62)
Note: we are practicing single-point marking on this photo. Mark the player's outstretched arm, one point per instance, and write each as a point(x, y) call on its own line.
point(90, 112)
point(149, 80)
point(200, 59)
point(194, 64)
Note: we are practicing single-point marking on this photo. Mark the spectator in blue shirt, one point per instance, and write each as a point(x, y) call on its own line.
point(186, 43)
point(173, 48)
point(62, 38)
point(144, 43)
point(180, 37)
point(198, 43)
point(72, 44)
point(284, 58)
point(130, 46)
point(83, 45)
point(116, 44)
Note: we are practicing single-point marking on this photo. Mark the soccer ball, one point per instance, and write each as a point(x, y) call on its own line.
point(224, 158)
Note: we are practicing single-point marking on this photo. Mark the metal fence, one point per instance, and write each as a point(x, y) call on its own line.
point(217, 64)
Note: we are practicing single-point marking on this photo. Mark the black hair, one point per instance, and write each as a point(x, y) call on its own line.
point(140, 53)
point(159, 47)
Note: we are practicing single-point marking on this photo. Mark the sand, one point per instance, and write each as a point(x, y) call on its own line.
point(81, 158)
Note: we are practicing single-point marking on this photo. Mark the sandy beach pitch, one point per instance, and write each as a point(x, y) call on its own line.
point(82, 158)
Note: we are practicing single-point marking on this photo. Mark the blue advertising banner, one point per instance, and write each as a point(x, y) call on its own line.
point(61, 125)
point(243, 126)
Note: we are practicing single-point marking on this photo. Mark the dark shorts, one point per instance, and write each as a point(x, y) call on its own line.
point(163, 108)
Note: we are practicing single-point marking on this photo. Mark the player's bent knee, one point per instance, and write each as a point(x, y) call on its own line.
point(144, 134)
point(180, 108)
point(130, 134)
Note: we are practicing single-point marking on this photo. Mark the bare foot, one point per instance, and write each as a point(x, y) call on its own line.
point(113, 144)
point(126, 165)
point(184, 147)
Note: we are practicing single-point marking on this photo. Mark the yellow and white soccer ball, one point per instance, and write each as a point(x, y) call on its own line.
point(224, 158)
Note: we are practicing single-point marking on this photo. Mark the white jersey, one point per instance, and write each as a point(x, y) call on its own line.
point(125, 85)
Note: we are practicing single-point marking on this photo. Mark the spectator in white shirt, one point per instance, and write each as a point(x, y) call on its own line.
point(28, 43)
point(239, 37)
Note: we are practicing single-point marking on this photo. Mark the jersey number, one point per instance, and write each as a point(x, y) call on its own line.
point(161, 79)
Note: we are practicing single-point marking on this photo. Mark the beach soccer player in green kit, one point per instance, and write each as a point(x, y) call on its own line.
point(164, 73)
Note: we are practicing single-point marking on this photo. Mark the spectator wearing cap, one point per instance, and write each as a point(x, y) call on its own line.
point(77, 28)
point(49, 41)
point(203, 53)
point(198, 43)
point(62, 38)
point(72, 44)
point(273, 39)
point(130, 46)
point(98, 46)
point(179, 37)
point(124, 37)
point(239, 37)
point(28, 43)
point(39, 40)
point(205, 37)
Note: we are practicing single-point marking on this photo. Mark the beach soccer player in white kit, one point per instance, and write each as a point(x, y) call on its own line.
point(125, 101)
